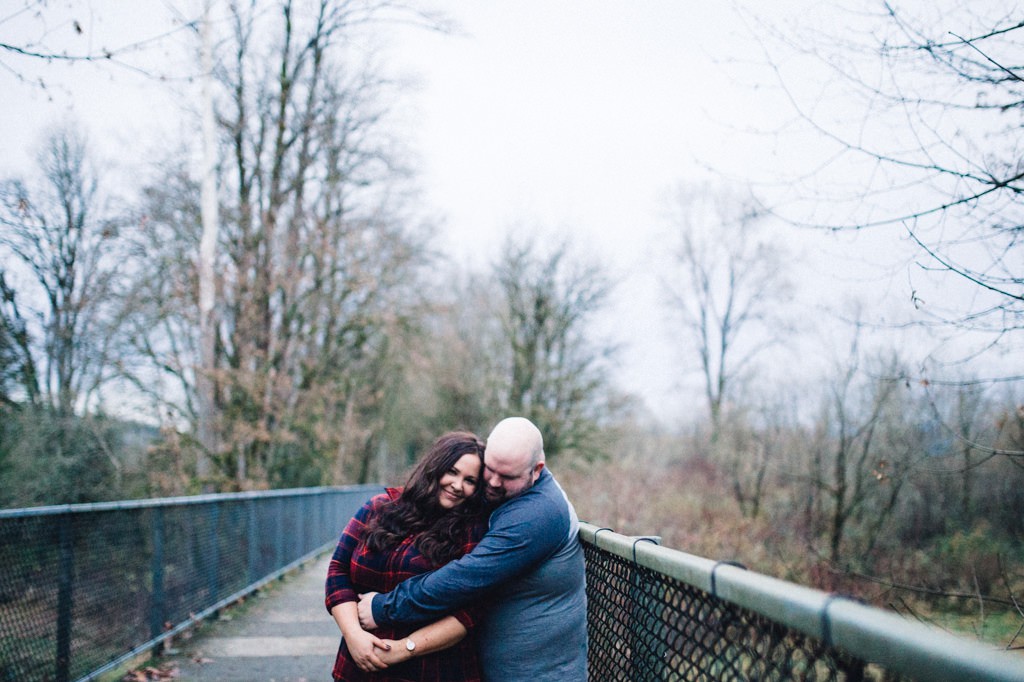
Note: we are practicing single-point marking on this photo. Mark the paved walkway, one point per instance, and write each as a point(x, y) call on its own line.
point(282, 634)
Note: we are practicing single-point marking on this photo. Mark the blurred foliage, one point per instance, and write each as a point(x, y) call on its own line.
point(345, 344)
point(930, 559)
point(48, 459)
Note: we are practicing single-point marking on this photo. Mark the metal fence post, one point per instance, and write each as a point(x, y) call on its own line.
point(65, 581)
point(646, 646)
point(326, 527)
point(157, 609)
point(303, 510)
point(279, 547)
point(252, 541)
point(213, 562)
point(318, 520)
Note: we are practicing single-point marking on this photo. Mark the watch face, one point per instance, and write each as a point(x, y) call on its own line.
point(410, 645)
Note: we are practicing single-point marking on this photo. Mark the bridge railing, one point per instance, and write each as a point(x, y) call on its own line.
point(659, 614)
point(86, 587)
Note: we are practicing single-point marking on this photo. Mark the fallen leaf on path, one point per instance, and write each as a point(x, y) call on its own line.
point(152, 673)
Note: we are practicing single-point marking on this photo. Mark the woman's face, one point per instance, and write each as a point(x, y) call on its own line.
point(459, 482)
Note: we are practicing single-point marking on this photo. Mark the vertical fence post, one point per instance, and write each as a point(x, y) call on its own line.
point(321, 519)
point(646, 640)
point(65, 581)
point(294, 511)
point(157, 610)
point(213, 561)
point(279, 545)
point(252, 540)
point(326, 501)
point(303, 511)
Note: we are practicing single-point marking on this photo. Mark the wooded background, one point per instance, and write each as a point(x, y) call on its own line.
point(341, 340)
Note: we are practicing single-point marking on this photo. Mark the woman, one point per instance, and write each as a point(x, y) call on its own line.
point(437, 517)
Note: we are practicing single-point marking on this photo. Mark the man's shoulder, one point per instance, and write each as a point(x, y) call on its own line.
point(542, 504)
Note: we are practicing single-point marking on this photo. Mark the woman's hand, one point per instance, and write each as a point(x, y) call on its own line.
point(368, 651)
point(396, 654)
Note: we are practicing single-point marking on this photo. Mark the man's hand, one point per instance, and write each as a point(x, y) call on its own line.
point(366, 611)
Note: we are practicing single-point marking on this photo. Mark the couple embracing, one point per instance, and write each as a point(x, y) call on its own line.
point(472, 571)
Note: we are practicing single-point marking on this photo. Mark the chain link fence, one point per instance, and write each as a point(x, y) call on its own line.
point(659, 614)
point(84, 588)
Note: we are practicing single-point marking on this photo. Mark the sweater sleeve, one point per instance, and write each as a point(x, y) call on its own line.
point(523, 532)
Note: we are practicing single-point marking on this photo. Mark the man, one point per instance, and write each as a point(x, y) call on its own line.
point(527, 570)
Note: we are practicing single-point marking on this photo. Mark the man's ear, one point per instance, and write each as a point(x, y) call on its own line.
point(536, 471)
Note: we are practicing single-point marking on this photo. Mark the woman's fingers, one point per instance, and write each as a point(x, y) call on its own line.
point(370, 663)
point(363, 648)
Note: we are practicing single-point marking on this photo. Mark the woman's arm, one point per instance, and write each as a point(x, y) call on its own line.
point(365, 648)
point(339, 587)
point(437, 636)
point(340, 594)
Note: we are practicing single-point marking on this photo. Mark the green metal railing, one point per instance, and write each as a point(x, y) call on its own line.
point(659, 614)
point(86, 587)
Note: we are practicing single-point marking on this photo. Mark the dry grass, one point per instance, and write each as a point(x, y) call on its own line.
point(688, 503)
point(684, 501)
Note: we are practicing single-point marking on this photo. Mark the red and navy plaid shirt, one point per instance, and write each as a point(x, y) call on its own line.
point(355, 570)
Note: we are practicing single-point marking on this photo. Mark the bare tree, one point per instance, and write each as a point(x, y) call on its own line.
point(447, 368)
point(34, 32)
point(866, 442)
point(460, 371)
point(317, 256)
point(971, 432)
point(755, 438)
point(967, 417)
point(60, 317)
point(726, 287)
point(67, 243)
point(555, 371)
point(933, 93)
point(18, 380)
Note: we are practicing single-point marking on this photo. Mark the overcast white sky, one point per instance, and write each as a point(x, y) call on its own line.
point(574, 117)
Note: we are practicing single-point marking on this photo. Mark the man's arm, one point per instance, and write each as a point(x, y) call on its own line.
point(524, 532)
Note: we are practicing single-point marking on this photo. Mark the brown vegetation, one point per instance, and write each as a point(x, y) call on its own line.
point(927, 561)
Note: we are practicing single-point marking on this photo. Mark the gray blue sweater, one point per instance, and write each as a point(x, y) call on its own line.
point(528, 569)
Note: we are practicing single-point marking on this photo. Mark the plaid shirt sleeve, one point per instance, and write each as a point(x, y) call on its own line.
point(339, 587)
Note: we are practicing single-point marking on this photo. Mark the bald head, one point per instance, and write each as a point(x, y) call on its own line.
point(516, 438)
point(513, 459)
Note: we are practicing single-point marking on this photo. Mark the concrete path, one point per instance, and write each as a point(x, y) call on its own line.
point(282, 634)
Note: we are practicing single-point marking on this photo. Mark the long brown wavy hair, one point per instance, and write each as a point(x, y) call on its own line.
point(442, 533)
